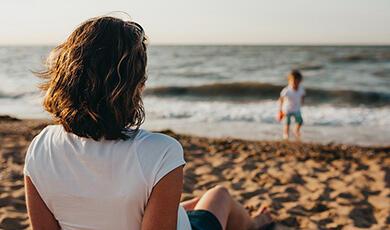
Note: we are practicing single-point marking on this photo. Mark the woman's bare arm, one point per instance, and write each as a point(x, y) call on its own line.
point(40, 216)
point(161, 210)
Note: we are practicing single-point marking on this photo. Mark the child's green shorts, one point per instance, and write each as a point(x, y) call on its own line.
point(297, 117)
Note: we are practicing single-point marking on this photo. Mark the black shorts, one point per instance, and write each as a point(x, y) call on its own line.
point(203, 220)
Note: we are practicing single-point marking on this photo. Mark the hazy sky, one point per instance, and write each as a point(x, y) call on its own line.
point(207, 21)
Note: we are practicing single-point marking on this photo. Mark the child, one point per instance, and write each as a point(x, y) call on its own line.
point(291, 99)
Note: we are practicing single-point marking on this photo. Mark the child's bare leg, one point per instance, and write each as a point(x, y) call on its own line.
point(229, 212)
point(298, 131)
point(286, 131)
point(189, 205)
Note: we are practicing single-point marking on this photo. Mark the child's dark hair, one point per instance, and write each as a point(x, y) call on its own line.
point(93, 81)
point(295, 74)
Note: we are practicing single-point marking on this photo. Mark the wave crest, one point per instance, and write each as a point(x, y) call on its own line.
point(253, 91)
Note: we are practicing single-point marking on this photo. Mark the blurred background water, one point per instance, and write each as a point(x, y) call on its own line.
point(232, 90)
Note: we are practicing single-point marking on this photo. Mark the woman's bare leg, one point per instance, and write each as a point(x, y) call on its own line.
point(189, 205)
point(262, 218)
point(229, 212)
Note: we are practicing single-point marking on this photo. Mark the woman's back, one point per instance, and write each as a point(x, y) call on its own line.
point(106, 184)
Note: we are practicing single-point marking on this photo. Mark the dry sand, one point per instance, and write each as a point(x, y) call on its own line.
point(307, 186)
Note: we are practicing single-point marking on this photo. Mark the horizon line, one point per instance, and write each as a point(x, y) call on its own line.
point(220, 44)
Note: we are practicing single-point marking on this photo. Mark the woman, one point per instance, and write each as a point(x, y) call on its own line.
point(96, 169)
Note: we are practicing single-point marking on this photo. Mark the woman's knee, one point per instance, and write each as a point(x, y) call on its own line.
point(220, 188)
point(215, 199)
point(220, 191)
point(218, 201)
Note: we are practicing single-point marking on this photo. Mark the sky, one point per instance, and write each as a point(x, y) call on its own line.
point(303, 22)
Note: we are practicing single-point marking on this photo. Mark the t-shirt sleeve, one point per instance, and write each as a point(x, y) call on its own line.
point(283, 93)
point(172, 159)
point(29, 159)
point(158, 155)
point(35, 154)
point(303, 91)
point(26, 168)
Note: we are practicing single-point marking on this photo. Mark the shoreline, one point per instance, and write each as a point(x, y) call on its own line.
point(311, 135)
point(247, 131)
point(305, 185)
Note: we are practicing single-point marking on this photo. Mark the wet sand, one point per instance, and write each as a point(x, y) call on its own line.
point(306, 186)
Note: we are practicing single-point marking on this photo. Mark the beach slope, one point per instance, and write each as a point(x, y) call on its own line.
point(306, 186)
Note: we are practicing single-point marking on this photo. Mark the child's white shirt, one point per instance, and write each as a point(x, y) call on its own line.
point(292, 98)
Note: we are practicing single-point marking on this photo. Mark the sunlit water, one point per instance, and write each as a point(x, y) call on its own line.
point(348, 90)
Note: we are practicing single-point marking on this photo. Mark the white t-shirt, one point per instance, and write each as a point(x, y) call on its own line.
point(100, 185)
point(292, 98)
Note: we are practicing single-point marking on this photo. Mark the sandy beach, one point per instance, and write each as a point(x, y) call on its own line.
point(306, 186)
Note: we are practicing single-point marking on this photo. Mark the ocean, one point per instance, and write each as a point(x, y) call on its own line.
point(231, 91)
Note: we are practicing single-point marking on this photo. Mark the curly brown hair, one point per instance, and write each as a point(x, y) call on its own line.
point(94, 80)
